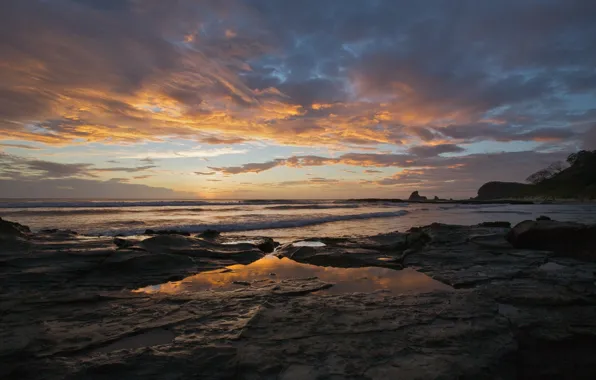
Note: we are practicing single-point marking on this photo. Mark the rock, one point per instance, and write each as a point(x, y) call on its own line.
point(416, 197)
point(542, 217)
point(209, 234)
point(123, 243)
point(57, 231)
point(242, 253)
point(495, 224)
point(166, 232)
point(13, 229)
point(267, 245)
point(71, 309)
point(564, 238)
point(349, 253)
point(417, 239)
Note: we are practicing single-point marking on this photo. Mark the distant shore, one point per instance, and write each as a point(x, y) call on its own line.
point(526, 201)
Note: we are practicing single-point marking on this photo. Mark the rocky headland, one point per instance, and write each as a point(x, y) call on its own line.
point(497, 303)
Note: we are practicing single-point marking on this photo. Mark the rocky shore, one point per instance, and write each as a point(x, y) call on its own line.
point(512, 304)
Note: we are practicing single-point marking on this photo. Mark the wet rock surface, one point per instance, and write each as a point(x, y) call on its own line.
point(70, 309)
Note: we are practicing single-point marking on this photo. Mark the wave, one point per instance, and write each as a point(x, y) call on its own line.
point(311, 207)
point(251, 226)
point(61, 212)
point(502, 212)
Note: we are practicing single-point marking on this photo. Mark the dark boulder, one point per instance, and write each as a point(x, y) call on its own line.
point(542, 217)
point(495, 224)
point(267, 245)
point(564, 238)
point(13, 229)
point(209, 234)
point(415, 196)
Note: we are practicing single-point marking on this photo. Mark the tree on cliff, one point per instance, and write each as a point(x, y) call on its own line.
point(544, 174)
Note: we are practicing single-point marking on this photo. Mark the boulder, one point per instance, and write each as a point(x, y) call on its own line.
point(13, 229)
point(209, 234)
point(542, 217)
point(267, 245)
point(564, 238)
point(416, 197)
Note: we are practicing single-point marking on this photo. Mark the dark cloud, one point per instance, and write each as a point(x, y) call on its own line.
point(19, 146)
point(83, 188)
point(107, 5)
point(214, 140)
point(204, 173)
point(505, 133)
point(125, 169)
point(589, 139)
point(56, 170)
point(249, 168)
point(12, 166)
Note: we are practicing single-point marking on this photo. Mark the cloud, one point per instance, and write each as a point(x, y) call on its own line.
point(505, 133)
point(195, 153)
point(19, 146)
point(204, 173)
point(15, 167)
point(353, 159)
point(249, 168)
point(84, 188)
point(313, 73)
point(372, 171)
point(214, 140)
point(124, 169)
point(589, 139)
point(433, 172)
point(463, 175)
point(435, 150)
point(19, 167)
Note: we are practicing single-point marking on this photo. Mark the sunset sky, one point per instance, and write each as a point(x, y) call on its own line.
point(290, 99)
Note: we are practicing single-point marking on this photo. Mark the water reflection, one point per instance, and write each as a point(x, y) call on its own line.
point(270, 270)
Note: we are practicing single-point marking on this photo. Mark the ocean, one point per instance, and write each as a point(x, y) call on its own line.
point(283, 220)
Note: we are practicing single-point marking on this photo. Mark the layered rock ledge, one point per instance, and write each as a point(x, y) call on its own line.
point(69, 309)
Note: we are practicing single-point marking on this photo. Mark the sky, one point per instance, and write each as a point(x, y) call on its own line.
point(290, 99)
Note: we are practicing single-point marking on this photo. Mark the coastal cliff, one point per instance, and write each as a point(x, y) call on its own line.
point(577, 181)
